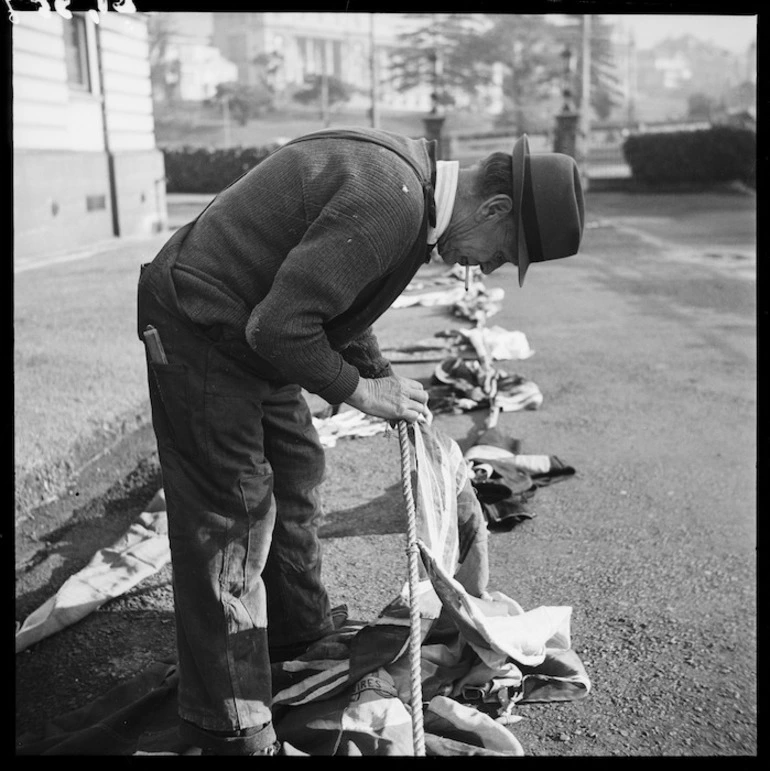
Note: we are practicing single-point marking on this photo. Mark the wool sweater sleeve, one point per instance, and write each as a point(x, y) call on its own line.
point(364, 354)
point(358, 235)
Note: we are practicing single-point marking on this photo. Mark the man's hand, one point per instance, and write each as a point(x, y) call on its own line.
point(392, 398)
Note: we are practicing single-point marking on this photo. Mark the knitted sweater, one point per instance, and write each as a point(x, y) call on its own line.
point(305, 251)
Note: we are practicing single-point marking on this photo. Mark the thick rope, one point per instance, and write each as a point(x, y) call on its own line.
point(415, 636)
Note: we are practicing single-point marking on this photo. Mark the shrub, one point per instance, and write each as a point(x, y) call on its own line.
point(207, 170)
point(709, 156)
point(244, 102)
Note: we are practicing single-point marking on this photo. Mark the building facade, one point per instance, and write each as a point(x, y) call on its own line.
point(193, 66)
point(86, 166)
point(287, 47)
point(281, 51)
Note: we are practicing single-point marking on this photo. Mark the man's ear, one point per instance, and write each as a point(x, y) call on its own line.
point(496, 206)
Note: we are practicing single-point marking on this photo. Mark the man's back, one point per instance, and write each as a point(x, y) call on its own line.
point(348, 199)
point(306, 237)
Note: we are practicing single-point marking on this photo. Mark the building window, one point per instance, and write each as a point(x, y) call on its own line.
point(76, 52)
point(96, 202)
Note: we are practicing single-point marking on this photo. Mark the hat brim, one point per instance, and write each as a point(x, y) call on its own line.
point(519, 156)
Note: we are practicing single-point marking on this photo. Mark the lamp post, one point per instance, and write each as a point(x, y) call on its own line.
point(584, 144)
point(226, 119)
point(434, 121)
point(565, 135)
point(566, 88)
point(373, 75)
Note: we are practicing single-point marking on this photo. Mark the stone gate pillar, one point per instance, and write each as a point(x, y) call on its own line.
point(565, 134)
point(434, 124)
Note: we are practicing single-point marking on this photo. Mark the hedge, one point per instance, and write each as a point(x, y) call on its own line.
point(208, 170)
point(708, 156)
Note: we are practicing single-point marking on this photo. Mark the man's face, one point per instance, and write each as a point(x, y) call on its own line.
point(485, 238)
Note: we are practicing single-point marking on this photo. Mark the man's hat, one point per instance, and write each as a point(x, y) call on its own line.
point(547, 205)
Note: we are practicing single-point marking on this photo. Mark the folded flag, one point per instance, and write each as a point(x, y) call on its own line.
point(505, 479)
point(463, 385)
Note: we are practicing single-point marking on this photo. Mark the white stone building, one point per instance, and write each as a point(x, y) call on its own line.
point(86, 166)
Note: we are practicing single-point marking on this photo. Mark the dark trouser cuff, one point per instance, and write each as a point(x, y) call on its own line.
point(243, 742)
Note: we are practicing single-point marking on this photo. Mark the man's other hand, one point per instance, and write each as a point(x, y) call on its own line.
point(393, 398)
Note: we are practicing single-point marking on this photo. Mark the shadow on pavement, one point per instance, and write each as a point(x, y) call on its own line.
point(383, 515)
point(67, 549)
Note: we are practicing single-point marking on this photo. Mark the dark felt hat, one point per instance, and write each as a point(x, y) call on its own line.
point(548, 205)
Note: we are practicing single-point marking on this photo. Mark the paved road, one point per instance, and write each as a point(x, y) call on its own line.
point(687, 223)
point(646, 356)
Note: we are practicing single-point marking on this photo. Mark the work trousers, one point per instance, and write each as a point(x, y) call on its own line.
point(241, 464)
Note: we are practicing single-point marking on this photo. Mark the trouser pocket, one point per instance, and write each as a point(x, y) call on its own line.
point(171, 409)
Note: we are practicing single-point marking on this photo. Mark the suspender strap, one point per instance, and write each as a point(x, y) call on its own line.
point(427, 186)
point(379, 295)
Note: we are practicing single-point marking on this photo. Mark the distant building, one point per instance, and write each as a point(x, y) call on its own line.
point(689, 65)
point(675, 70)
point(279, 51)
point(286, 47)
point(658, 81)
point(192, 66)
point(202, 69)
point(750, 74)
point(86, 166)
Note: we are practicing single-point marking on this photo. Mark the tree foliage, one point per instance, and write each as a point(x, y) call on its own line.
point(525, 46)
point(164, 70)
point(243, 102)
point(268, 65)
point(606, 92)
point(435, 53)
point(457, 53)
point(337, 90)
point(700, 106)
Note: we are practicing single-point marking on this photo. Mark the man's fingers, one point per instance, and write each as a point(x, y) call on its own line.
point(393, 398)
point(419, 414)
point(415, 391)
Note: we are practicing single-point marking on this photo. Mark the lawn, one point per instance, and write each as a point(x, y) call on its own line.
point(79, 371)
point(199, 126)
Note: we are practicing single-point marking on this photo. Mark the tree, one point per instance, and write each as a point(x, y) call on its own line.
point(743, 96)
point(241, 101)
point(700, 106)
point(334, 91)
point(603, 104)
point(468, 48)
point(434, 54)
point(164, 68)
point(526, 46)
point(456, 53)
point(606, 92)
point(269, 65)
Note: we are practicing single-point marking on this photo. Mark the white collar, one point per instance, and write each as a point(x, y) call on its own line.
point(447, 173)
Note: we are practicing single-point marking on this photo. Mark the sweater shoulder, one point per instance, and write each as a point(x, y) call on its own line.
point(364, 177)
point(367, 156)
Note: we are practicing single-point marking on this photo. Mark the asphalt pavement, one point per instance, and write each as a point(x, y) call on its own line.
point(645, 352)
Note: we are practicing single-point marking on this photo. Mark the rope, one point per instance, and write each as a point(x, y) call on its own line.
point(414, 577)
